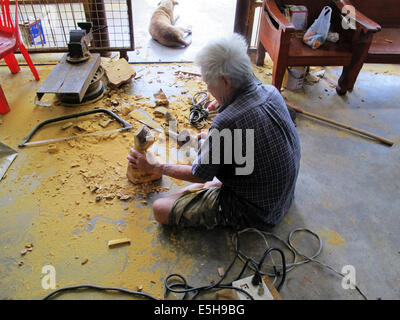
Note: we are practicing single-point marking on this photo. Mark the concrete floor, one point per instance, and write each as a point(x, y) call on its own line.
point(347, 192)
point(205, 18)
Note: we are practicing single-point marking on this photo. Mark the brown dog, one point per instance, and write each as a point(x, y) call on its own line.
point(162, 27)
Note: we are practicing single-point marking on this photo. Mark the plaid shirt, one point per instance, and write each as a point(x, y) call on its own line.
point(268, 190)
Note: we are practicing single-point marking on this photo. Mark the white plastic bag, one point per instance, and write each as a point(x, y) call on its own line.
point(317, 33)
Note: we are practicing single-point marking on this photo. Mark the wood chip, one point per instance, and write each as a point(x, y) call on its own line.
point(116, 242)
point(52, 148)
point(109, 196)
point(123, 197)
point(67, 125)
point(105, 123)
point(126, 108)
point(161, 98)
point(160, 112)
point(187, 73)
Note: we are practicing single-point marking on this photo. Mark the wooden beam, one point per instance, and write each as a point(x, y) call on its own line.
point(241, 16)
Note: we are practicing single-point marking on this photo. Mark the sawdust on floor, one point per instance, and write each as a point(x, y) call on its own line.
point(74, 197)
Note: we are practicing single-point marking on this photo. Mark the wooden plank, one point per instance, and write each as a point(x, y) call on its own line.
point(387, 41)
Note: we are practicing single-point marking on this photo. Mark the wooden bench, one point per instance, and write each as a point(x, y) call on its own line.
point(285, 46)
point(385, 44)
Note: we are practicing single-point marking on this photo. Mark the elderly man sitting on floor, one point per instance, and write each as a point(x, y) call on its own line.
point(246, 169)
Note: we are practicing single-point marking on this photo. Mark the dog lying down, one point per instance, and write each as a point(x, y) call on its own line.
point(162, 27)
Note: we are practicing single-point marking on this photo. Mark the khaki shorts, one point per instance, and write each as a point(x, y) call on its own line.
point(215, 206)
point(197, 208)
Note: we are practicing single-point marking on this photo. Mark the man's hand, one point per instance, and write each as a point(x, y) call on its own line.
point(143, 163)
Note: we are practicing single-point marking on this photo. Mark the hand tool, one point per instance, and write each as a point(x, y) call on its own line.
point(126, 126)
point(181, 138)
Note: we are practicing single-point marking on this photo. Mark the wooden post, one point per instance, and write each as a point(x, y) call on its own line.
point(242, 17)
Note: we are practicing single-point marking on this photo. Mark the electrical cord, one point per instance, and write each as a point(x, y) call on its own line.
point(279, 270)
point(289, 245)
point(198, 112)
point(276, 272)
point(186, 289)
point(257, 277)
point(91, 286)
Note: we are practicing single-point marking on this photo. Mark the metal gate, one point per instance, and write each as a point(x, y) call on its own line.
point(45, 24)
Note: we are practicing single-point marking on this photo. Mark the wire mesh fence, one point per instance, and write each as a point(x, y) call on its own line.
point(45, 24)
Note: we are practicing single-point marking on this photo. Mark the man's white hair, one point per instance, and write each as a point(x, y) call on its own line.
point(225, 56)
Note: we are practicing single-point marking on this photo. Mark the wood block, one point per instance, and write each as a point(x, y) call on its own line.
point(161, 98)
point(143, 139)
point(118, 72)
point(116, 242)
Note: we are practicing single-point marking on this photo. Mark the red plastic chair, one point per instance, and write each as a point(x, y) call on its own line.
point(10, 41)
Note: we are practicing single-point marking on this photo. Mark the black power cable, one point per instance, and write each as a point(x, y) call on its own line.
point(186, 288)
point(276, 272)
point(256, 279)
point(198, 112)
point(91, 286)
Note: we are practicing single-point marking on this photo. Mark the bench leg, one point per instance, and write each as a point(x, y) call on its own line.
point(350, 73)
point(278, 73)
point(348, 78)
point(260, 54)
